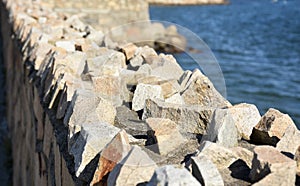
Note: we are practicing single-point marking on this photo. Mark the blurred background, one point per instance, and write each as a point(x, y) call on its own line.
point(257, 44)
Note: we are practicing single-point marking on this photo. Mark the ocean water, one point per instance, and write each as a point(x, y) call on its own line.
point(257, 45)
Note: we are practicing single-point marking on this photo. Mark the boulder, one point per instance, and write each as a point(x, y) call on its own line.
point(112, 154)
point(175, 99)
point(169, 175)
point(167, 68)
point(87, 107)
point(166, 133)
point(129, 50)
point(200, 91)
point(143, 92)
point(67, 45)
point(269, 163)
point(130, 122)
point(190, 119)
point(222, 129)
point(87, 145)
point(290, 141)
point(245, 117)
point(134, 169)
point(205, 171)
point(271, 127)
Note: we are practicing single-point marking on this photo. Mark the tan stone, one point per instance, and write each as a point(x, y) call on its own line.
point(297, 159)
point(129, 50)
point(290, 140)
point(167, 134)
point(112, 154)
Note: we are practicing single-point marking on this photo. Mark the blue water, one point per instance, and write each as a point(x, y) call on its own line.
point(257, 44)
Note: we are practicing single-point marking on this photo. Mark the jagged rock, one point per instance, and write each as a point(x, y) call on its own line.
point(297, 159)
point(184, 79)
point(145, 68)
point(76, 23)
point(169, 88)
point(200, 91)
point(222, 157)
point(222, 129)
point(290, 140)
point(271, 127)
point(129, 50)
point(67, 45)
point(149, 55)
point(88, 145)
point(143, 92)
point(135, 168)
point(190, 119)
point(169, 175)
point(205, 171)
point(167, 68)
point(245, 117)
point(166, 133)
point(136, 61)
point(87, 107)
point(112, 154)
point(175, 99)
point(130, 122)
point(75, 62)
point(110, 88)
point(269, 163)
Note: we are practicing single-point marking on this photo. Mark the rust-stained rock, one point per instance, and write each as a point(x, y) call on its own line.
point(112, 154)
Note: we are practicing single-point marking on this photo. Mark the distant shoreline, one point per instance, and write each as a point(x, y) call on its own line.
point(187, 2)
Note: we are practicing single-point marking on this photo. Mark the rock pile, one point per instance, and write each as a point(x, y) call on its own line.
point(136, 117)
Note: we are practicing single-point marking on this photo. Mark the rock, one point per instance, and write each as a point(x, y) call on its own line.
point(149, 54)
point(205, 171)
point(222, 157)
point(184, 79)
point(129, 50)
point(169, 175)
point(135, 168)
point(271, 127)
point(268, 162)
point(297, 159)
point(190, 119)
point(290, 141)
point(222, 129)
point(88, 145)
point(175, 99)
point(86, 107)
point(109, 87)
point(143, 92)
point(169, 88)
point(245, 117)
point(75, 62)
point(75, 23)
point(130, 122)
point(200, 91)
point(112, 154)
point(67, 45)
point(167, 68)
point(136, 61)
point(166, 133)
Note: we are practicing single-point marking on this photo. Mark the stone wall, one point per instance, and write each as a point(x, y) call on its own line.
point(84, 110)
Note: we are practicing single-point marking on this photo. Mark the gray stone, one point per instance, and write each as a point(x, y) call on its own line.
point(200, 91)
point(190, 119)
point(169, 175)
point(269, 163)
point(112, 154)
point(130, 122)
point(271, 127)
point(136, 61)
point(143, 92)
point(184, 79)
point(175, 99)
point(88, 145)
point(167, 134)
point(290, 140)
point(205, 171)
point(222, 129)
point(135, 168)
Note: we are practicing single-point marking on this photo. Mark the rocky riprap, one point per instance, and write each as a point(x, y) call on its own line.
point(131, 116)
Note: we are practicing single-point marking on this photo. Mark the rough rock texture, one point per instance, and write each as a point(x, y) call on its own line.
point(112, 154)
point(268, 164)
point(222, 129)
point(297, 159)
point(205, 171)
point(169, 175)
point(135, 168)
point(271, 127)
point(167, 134)
point(190, 119)
point(290, 140)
